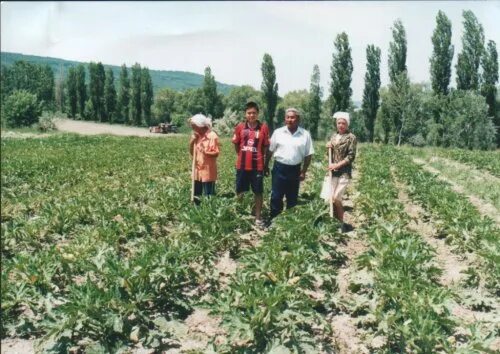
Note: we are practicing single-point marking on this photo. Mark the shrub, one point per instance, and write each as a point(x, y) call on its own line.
point(21, 109)
point(225, 125)
point(46, 122)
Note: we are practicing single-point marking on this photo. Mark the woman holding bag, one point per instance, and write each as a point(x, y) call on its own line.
point(342, 147)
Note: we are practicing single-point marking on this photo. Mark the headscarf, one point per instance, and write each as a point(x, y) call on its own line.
point(201, 121)
point(342, 115)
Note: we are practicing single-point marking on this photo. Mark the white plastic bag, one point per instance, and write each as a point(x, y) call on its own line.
point(326, 188)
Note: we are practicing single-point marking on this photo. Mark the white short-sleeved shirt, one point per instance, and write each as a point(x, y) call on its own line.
point(291, 149)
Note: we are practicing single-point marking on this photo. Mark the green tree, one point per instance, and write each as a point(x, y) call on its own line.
point(371, 95)
point(123, 109)
point(472, 50)
point(72, 94)
point(298, 99)
point(164, 104)
point(237, 98)
point(21, 109)
point(33, 78)
point(81, 89)
point(191, 102)
point(45, 89)
point(60, 90)
point(96, 90)
point(397, 51)
point(314, 104)
point(490, 76)
point(5, 82)
point(400, 105)
point(210, 96)
point(466, 122)
point(110, 96)
point(147, 95)
point(341, 74)
point(442, 55)
point(136, 104)
point(269, 89)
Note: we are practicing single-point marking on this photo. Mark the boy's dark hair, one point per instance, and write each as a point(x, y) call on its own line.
point(251, 104)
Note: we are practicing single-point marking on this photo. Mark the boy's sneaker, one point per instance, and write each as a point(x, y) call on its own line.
point(344, 228)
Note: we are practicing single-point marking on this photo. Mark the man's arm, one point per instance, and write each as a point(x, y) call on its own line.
point(305, 166)
point(268, 156)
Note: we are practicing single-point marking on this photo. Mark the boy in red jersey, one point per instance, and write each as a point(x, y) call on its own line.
point(251, 140)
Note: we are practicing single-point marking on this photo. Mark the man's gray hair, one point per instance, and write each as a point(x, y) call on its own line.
point(294, 110)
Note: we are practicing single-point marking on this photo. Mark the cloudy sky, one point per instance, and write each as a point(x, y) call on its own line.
point(232, 37)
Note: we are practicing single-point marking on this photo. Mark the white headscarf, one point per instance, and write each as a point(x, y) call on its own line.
point(201, 121)
point(342, 115)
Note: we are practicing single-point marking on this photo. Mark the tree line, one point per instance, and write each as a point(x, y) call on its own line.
point(401, 113)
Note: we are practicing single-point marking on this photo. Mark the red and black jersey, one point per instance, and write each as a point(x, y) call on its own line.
point(251, 142)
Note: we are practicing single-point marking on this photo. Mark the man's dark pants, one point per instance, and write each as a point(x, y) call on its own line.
point(285, 183)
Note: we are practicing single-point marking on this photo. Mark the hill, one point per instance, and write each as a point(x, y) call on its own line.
point(177, 80)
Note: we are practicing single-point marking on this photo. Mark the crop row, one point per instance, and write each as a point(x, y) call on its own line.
point(483, 160)
point(409, 308)
point(282, 290)
point(100, 246)
point(461, 223)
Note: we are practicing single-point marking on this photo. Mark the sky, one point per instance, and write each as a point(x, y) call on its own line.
point(232, 37)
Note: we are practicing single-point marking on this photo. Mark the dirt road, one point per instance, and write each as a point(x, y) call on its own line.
point(92, 128)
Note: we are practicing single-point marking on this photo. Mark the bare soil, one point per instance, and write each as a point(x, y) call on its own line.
point(422, 224)
point(346, 335)
point(451, 264)
point(17, 346)
point(483, 207)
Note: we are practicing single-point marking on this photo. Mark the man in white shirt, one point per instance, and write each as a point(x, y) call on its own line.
point(291, 146)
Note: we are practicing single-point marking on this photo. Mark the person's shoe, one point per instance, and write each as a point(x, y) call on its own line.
point(344, 228)
point(261, 225)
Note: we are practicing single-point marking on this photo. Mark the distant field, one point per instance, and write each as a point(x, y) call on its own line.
point(102, 251)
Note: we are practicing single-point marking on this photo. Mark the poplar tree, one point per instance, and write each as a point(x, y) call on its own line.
point(341, 74)
point(136, 105)
point(490, 76)
point(124, 96)
point(46, 86)
point(96, 90)
point(210, 96)
point(269, 89)
point(60, 87)
point(72, 93)
point(81, 89)
point(442, 55)
point(315, 95)
point(469, 59)
point(371, 95)
point(397, 51)
point(101, 79)
point(147, 95)
point(110, 96)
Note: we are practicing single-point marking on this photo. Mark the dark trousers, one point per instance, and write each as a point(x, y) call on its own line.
point(285, 183)
point(206, 188)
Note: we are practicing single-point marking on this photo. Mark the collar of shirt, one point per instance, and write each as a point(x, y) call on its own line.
point(298, 132)
point(257, 127)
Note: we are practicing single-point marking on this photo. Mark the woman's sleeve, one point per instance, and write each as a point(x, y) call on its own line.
point(213, 146)
point(351, 150)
